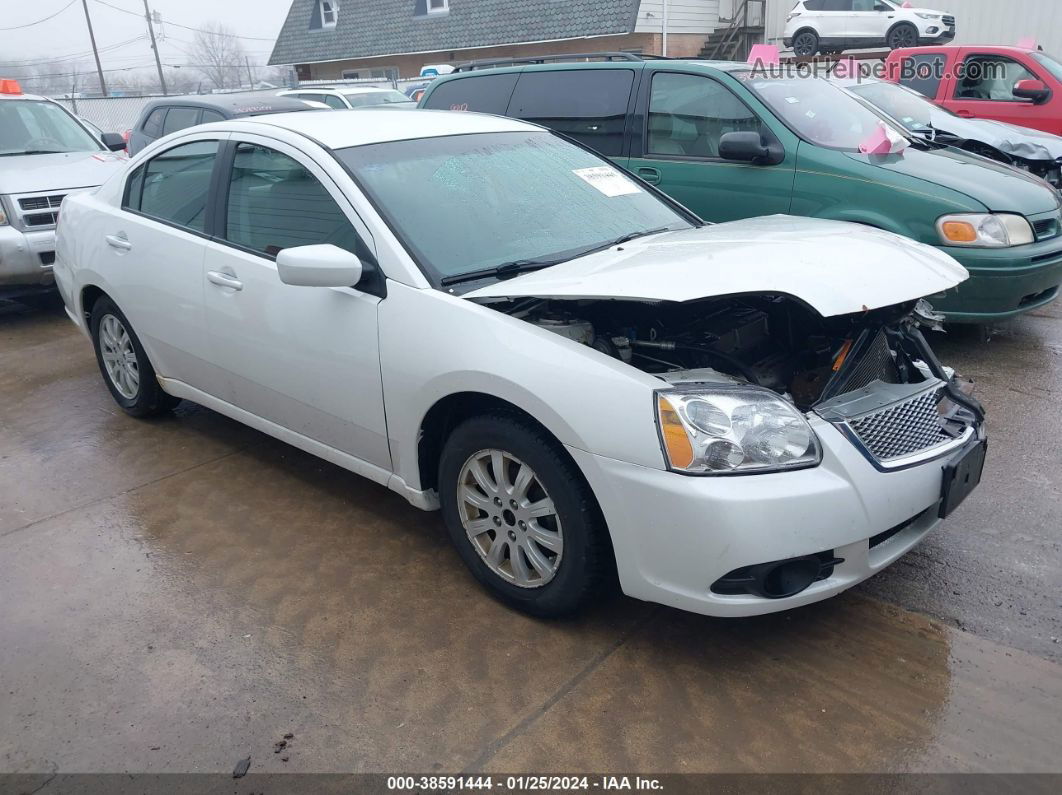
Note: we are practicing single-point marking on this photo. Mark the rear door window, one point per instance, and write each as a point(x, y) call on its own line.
point(180, 119)
point(478, 93)
point(209, 116)
point(333, 101)
point(173, 187)
point(589, 105)
point(923, 73)
point(153, 123)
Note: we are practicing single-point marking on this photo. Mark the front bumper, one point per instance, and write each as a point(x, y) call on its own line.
point(1003, 282)
point(674, 536)
point(26, 258)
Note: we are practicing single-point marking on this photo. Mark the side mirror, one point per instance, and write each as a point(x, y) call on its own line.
point(748, 147)
point(1035, 90)
point(113, 141)
point(318, 266)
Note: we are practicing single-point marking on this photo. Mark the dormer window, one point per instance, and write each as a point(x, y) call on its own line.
point(438, 6)
point(329, 13)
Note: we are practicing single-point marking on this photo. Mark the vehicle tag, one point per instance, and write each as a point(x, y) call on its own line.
point(607, 180)
point(961, 477)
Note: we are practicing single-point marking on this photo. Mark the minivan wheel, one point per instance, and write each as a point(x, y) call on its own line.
point(903, 36)
point(125, 367)
point(521, 516)
point(806, 43)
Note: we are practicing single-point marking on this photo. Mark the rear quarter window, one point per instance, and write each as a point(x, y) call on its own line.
point(153, 123)
point(180, 119)
point(479, 93)
point(589, 105)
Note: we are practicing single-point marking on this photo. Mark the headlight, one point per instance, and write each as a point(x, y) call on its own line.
point(920, 15)
point(3, 215)
point(720, 430)
point(985, 231)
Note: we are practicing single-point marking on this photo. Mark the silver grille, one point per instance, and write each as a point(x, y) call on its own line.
point(39, 211)
point(903, 429)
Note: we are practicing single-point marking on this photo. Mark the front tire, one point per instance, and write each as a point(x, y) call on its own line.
point(124, 365)
point(903, 36)
point(806, 44)
point(521, 516)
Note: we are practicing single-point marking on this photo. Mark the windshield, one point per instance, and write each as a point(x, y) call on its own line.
point(817, 110)
point(1050, 64)
point(465, 203)
point(912, 110)
point(29, 126)
point(376, 98)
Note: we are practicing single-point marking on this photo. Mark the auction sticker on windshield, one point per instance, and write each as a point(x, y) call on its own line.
point(607, 180)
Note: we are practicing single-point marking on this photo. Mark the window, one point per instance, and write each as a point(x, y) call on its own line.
point(814, 5)
point(153, 123)
point(350, 74)
point(332, 101)
point(464, 202)
point(209, 116)
point(688, 114)
point(329, 13)
point(923, 73)
point(992, 78)
point(837, 5)
point(180, 119)
point(438, 6)
point(275, 203)
point(173, 187)
point(589, 105)
point(43, 127)
point(479, 93)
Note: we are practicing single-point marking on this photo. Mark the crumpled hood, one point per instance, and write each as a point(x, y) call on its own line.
point(1007, 138)
point(36, 173)
point(836, 268)
point(999, 187)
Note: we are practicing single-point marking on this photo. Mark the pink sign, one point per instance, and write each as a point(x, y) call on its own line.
point(765, 55)
point(883, 141)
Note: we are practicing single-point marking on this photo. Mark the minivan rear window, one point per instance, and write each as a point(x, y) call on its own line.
point(589, 105)
point(478, 93)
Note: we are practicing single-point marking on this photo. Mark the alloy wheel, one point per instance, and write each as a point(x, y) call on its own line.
point(806, 44)
point(509, 518)
point(119, 357)
point(904, 38)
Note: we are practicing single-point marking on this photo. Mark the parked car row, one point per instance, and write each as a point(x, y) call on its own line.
point(522, 319)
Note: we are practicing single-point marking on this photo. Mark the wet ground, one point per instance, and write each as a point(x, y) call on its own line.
point(177, 595)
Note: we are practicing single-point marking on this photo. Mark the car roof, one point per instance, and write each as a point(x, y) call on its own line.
point(32, 97)
point(344, 128)
point(232, 104)
point(563, 66)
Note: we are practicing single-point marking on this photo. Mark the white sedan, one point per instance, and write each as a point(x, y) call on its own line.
point(489, 319)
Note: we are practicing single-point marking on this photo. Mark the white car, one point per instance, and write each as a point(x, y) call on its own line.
point(829, 26)
point(589, 381)
point(345, 97)
point(45, 155)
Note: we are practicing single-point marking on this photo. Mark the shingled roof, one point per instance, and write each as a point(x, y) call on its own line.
point(365, 28)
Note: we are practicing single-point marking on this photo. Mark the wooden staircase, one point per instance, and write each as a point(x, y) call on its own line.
point(733, 40)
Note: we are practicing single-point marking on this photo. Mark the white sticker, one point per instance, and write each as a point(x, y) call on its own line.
point(792, 100)
point(607, 180)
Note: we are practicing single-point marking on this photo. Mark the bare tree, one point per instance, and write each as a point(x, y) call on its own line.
point(218, 55)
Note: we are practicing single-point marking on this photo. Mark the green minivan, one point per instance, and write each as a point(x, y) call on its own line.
point(732, 141)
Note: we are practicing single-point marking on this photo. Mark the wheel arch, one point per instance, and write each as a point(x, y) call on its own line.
point(901, 23)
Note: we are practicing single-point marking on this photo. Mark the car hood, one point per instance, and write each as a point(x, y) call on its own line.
point(836, 268)
point(1007, 138)
point(1000, 188)
point(36, 173)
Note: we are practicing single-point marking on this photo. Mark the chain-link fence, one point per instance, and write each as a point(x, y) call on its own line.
point(110, 114)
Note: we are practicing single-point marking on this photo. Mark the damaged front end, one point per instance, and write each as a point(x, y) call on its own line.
point(872, 375)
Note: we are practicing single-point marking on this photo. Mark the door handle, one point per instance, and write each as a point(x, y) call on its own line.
point(119, 241)
point(224, 280)
point(650, 175)
point(964, 113)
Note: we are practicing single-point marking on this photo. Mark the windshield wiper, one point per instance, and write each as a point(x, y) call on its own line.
point(35, 152)
point(527, 265)
point(506, 269)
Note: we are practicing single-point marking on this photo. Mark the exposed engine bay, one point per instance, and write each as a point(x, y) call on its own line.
point(774, 342)
point(1049, 170)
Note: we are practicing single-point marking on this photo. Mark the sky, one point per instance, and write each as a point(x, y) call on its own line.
point(66, 35)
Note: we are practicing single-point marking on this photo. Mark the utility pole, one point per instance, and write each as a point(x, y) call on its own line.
point(155, 47)
point(95, 52)
point(250, 77)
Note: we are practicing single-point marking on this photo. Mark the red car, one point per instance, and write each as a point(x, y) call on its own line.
point(1008, 84)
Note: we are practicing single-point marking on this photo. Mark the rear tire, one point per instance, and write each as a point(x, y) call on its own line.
point(534, 537)
point(806, 44)
point(124, 365)
point(902, 37)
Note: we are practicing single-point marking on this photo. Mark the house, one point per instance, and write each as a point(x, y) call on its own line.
point(334, 39)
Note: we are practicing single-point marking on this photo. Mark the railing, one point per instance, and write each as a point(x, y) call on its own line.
point(734, 35)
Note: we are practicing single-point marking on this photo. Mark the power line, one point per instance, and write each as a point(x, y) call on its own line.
point(39, 21)
point(179, 25)
point(73, 56)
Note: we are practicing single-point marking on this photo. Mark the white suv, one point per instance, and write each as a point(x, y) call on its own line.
point(827, 26)
point(345, 97)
